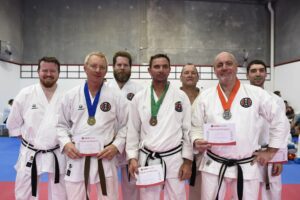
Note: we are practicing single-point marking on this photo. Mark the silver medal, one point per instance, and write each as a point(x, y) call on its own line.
point(227, 114)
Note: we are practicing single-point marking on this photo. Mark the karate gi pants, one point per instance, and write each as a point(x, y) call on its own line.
point(23, 187)
point(210, 187)
point(274, 192)
point(76, 190)
point(195, 191)
point(174, 190)
point(129, 189)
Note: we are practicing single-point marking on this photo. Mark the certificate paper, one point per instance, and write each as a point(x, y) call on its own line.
point(280, 156)
point(220, 134)
point(150, 176)
point(88, 145)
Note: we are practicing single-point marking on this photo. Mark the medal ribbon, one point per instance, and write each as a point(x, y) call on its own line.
point(92, 107)
point(227, 105)
point(156, 105)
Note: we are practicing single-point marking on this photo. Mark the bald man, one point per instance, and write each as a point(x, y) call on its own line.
point(237, 107)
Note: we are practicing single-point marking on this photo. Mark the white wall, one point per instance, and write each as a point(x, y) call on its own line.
point(287, 81)
point(9, 82)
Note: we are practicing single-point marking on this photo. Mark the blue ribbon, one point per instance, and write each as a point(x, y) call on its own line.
point(92, 107)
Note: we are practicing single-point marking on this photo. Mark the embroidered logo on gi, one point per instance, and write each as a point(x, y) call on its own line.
point(28, 164)
point(246, 102)
point(105, 106)
point(80, 107)
point(178, 106)
point(34, 106)
point(130, 96)
point(68, 172)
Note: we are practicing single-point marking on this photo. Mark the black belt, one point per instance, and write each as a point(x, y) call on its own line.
point(265, 168)
point(101, 173)
point(159, 155)
point(34, 168)
point(194, 172)
point(229, 163)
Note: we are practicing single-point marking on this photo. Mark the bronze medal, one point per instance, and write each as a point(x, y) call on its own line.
point(153, 121)
point(91, 121)
point(227, 114)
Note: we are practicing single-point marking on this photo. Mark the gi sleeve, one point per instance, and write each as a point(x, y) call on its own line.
point(134, 130)
point(15, 119)
point(274, 113)
point(187, 148)
point(197, 120)
point(64, 123)
point(122, 118)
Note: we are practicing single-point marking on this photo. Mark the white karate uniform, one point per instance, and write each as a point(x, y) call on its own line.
point(172, 129)
point(195, 191)
point(129, 189)
point(35, 119)
point(274, 192)
point(73, 116)
point(258, 103)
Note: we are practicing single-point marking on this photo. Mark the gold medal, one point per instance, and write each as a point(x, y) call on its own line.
point(91, 121)
point(153, 121)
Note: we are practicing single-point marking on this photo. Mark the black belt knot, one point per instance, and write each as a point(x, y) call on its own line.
point(229, 163)
point(101, 173)
point(159, 155)
point(34, 167)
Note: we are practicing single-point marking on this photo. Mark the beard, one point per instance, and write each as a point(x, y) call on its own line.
point(48, 83)
point(122, 77)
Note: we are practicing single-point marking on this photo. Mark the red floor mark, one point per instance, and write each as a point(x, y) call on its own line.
point(289, 191)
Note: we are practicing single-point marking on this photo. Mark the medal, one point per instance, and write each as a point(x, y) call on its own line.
point(91, 121)
point(153, 121)
point(227, 114)
point(227, 104)
point(91, 106)
point(156, 105)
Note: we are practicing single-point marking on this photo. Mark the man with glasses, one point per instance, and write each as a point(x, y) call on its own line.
point(86, 132)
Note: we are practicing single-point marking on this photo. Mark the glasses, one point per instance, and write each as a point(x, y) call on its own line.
point(97, 67)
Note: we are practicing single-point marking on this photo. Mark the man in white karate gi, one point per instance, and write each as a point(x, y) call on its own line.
point(189, 78)
point(236, 107)
point(270, 184)
point(122, 62)
point(86, 132)
point(158, 132)
point(33, 118)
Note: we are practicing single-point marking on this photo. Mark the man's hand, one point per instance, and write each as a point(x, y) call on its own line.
point(185, 170)
point(263, 157)
point(276, 169)
point(71, 151)
point(133, 167)
point(108, 152)
point(201, 145)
